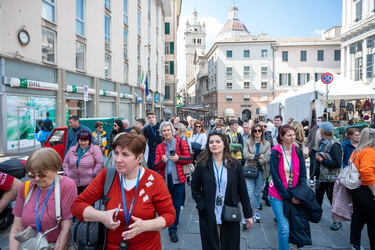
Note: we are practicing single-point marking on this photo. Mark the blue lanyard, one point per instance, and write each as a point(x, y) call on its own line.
point(128, 214)
point(153, 131)
point(38, 221)
point(286, 158)
point(219, 179)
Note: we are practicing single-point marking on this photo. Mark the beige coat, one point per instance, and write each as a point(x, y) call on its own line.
point(249, 152)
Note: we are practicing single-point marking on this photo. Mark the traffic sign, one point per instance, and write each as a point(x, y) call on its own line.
point(85, 93)
point(326, 78)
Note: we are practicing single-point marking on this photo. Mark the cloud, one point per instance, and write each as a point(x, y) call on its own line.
point(213, 27)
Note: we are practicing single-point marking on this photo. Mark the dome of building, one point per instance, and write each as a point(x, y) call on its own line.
point(195, 21)
point(233, 27)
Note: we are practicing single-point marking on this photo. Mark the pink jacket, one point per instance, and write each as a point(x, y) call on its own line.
point(89, 166)
point(281, 173)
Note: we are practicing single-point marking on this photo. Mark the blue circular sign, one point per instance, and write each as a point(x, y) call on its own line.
point(326, 78)
point(156, 97)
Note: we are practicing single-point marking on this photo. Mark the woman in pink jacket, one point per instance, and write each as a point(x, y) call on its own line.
point(83, 162)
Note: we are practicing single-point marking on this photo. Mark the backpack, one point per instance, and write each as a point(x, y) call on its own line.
point(93, 235)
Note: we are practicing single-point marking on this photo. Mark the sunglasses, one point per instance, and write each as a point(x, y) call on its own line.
point(198, 126)
point(115, 125)
point(41, 175)
point(264, 126)
point(257, 131)
point(175, 128)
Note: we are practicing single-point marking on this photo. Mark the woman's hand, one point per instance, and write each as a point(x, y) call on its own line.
point(107, 219)
point(174, 158)
point(261, 155)
point(295, 201)
point(319, 158)
point(249, 222)
point(164, 158)
point(139, 226)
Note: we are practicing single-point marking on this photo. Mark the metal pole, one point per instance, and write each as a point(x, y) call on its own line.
point(327, 102)
point(85, 110)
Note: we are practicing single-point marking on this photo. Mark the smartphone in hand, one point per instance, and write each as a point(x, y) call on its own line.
point(116, 213)
point(172, 152)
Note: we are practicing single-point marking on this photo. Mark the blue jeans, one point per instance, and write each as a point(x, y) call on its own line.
point(254, 188)
point(282, 223)
point(176, 191)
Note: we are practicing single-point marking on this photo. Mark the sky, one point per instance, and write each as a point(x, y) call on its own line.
point(277, 18)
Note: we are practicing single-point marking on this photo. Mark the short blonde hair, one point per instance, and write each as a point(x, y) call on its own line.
point(43, 159)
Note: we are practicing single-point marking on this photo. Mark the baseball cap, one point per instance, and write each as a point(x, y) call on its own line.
point(326, 126)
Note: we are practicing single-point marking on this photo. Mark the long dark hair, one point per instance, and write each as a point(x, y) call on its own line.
point(121, 127)
point(206, 156)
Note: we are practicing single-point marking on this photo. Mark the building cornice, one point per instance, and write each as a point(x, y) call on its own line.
point(358, 28)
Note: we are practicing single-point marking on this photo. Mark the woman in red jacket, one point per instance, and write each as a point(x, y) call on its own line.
point(170, 156)
point(141, 193)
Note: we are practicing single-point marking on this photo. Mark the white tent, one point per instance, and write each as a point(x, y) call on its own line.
point(276, 107)
point(299, 106)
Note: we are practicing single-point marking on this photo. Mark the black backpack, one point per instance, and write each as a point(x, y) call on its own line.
point(89, 235)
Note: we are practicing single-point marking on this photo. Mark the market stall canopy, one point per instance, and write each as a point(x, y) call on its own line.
point(340, 88)
point(273, 108)
point(300, 106)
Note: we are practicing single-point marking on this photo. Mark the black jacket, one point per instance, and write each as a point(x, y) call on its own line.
point(153, 137)
point(300, 215)
point(203, 189)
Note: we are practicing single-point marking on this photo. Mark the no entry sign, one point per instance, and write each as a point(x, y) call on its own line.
point(326, 78)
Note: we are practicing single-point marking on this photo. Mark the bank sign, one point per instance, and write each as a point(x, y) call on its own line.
point(30, 84)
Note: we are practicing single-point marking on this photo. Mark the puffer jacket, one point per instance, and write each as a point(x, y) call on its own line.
point(89, 166)
point(300, 215)
point(182, 150)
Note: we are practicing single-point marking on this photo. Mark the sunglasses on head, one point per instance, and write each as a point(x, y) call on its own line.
point(257, 131)
point(41, 175)
point(198, 126)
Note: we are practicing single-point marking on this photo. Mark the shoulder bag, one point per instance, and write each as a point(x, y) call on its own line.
point(92, 235)
point(231, 213)
point(29, 239)
point(250, 172)
point(349, 176)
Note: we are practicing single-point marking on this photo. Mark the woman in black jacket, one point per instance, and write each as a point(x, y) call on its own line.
point(218, 180)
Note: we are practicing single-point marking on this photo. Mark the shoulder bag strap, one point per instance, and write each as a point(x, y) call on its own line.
point(110, 176)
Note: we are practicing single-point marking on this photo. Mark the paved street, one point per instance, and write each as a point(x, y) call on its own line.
point(261, 236)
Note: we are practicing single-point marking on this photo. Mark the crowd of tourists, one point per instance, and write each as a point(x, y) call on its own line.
point(231, 162)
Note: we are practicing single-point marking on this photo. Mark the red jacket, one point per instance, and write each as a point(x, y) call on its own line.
point(182, 150)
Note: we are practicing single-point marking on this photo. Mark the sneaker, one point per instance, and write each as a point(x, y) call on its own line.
point(312, 183)
point(336, 226)
point(256, 217)
point(266, 200)
point(243, 224)
point(173, 236)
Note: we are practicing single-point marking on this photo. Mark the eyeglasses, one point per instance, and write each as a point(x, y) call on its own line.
point(263, 126)
point(257, 131)
point(41, 175)
point(198, 126)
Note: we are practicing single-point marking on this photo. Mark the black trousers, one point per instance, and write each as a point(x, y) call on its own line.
point(324, 187)
point(363, 213)
point(312, 164)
